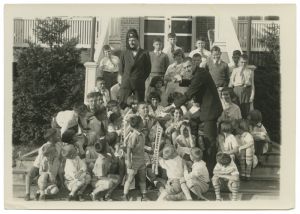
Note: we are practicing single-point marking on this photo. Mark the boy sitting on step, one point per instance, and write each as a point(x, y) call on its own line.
point(225, 171)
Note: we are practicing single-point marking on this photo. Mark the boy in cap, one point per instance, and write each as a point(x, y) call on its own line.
point(48, 171)
point(225, 171)
point(171, 47)
point(198, 179)
point(51, 136)
point(101, 87)
point(200, 49)
point(135, 68)
point(76, 177)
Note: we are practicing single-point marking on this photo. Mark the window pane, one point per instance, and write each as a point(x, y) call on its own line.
point(185, 42)
point(182, 26)
point(154, 26)
point(148, 41)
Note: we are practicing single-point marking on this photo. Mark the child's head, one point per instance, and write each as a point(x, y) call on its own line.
point(200, 43)
point(226, 127)
point(216, 53)
point(196, 154)
point(223, 159)
point(132, 102)
point(236, 56)
point(49, 151)
point(143, 109)
point(100, 83)
point(93, 100)
point(113, 118)
point(226, 94)
point(69, 152)
point(178, 113)
point(51, 135)
point(178, 56)
point(243, 61)
point(153, 99)
point(169, 152)
point(174, 96)
point(172, 38)
point(187, 64)
point(157, 82)
point(157, 44)
point(113, 106)
point(101, 113)
point(197, 59)
point(243, 126)
point(107, 50)
point(255, 117)
point(136, 122)
point(100, 146)
point(80, 109)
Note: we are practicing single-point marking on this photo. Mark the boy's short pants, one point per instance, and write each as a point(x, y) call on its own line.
point(197, 182)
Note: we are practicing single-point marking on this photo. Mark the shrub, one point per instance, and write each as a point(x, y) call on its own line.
point(47, 80)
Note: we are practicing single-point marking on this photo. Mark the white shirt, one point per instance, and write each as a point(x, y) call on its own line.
point(40, 155)
point(110, 65)
point(72, 168)
point(204, 56)
point(174, 167)
point(66, 119)
point(231, 169)
point(199, 170)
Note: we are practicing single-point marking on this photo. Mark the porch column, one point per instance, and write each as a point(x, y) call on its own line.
point(90, 78)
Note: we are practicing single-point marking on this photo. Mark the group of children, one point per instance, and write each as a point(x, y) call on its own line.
point(104, 146)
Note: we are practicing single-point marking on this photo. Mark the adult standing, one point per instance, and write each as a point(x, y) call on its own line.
point(135, 67)
point(203, 90)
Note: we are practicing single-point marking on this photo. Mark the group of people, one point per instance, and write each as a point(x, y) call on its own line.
point(175, 123)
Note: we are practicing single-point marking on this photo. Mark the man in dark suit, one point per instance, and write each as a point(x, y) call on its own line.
point(135, 67)
point(203, 90)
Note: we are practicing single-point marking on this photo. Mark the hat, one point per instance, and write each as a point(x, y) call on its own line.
point(68, 136)
point(196, 153)
point(69, 151)
point(49, 133)
point(223, 158)
point(132, 33)
point(169, 152)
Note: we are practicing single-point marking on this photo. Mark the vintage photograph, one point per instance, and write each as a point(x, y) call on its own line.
point(146, 108)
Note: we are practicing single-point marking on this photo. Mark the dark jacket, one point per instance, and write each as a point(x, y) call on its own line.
point(203, 88)
point(134, 70)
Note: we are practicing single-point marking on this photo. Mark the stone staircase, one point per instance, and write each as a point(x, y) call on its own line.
point(264, 184)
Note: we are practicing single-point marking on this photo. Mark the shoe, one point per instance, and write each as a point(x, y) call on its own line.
point(107, 197)
point(93, 197)
point(125, 198)
point(145, 198)
point(37, 196)
point(43, 198)
point(27, 197)
point(80, 197)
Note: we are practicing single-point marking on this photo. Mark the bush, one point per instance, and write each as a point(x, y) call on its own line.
point(47, 80)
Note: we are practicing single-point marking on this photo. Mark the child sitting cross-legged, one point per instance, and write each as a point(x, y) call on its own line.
point(175, 188)
point(198, 179)
point(102, 180)
point(225, 171)
point(48, 171)
point(76, 177)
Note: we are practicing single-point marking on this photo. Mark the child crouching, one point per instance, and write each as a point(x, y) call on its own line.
point(76, 177)
point(225, 171)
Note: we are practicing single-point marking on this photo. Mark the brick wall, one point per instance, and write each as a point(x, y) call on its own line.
point(126, 24)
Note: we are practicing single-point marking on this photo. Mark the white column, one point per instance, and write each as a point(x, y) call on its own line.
point(90, 78)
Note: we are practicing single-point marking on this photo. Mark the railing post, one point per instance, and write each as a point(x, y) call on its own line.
point(92, 51)
point(249, 20)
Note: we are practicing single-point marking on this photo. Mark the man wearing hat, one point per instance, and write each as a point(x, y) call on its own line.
point(135, 68)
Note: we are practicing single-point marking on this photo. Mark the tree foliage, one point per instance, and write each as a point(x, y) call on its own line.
point(47, 80)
